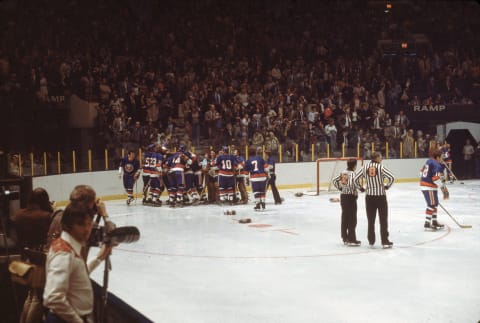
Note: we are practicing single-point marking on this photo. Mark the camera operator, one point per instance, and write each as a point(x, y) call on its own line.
point(68, 291)
point(85, 195)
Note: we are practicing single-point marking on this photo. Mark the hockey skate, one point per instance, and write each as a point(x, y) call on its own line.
point(387, 245)
point(129, 200)
point(179, 202)
point(157, 203)
point(353, 243)
point(428, 226)
point(437, 225)
point(148, 201)
point(257, 207)
point(263, 205)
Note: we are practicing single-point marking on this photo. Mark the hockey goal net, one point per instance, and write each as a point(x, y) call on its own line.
point(327, 169)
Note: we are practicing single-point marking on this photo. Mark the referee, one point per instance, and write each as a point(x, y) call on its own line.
point(348, 201)
point(375, 175)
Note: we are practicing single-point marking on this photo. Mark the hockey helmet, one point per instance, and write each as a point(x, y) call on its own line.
point(151, 147)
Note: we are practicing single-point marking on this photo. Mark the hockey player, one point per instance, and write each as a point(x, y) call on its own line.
point(191, 173)
point(375, 173)
point(152, 166)
point(176, 177)
point(212, 178)
point(241, 177)
point(198, 192)
point(255, 165)
point(432, 175)
point(348, 201)
point(227, 165)
point(447, 160)
point(130, 168)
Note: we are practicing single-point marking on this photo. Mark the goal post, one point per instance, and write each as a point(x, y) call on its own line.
point(327, 169)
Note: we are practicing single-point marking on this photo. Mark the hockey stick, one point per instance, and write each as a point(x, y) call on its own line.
point(136, 191)
point(453, 174)
point(463, 226)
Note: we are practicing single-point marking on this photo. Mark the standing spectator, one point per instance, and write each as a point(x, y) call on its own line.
point(421, 144)
point(210, 121)
point(152, 107)
point(469, 163)
point(195, 121)
point(402, 119)
point(331, 131)
point(408, 144)
point(375, 175)
point(348, 201)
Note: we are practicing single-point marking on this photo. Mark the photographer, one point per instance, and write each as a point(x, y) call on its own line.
point(85, 195)
point(68, 291)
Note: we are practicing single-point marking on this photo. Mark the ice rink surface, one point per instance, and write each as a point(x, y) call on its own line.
point(196, 264)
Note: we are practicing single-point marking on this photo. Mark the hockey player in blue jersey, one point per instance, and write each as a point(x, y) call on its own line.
point(432, 176)
point(152, 171)
point(192, 172)
point(255, 165)
point(447, 160)
point(130, 168)
point(176, 177)
point(227, 166)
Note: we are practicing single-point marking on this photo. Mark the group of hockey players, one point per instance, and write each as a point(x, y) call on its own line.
point(220, 177)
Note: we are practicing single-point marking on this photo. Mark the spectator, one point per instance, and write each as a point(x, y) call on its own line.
point(408, 144)
point(468, 159)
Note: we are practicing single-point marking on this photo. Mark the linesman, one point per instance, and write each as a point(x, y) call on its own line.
point(375, 175)
point(348, 201)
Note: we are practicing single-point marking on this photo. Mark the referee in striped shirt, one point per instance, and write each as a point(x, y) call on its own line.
point(348, 201)
point(375, 175)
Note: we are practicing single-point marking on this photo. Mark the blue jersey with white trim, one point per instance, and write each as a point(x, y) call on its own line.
point(151, 162)
point(431, 172)
point(256, 167)
point(129, 167)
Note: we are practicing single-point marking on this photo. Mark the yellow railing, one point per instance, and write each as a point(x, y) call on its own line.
point(46, 163)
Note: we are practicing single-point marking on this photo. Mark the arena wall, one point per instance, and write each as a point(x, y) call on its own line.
point(289, 176)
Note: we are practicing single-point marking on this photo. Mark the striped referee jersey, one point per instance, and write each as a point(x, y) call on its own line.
point(375, 175)
point(344, 182)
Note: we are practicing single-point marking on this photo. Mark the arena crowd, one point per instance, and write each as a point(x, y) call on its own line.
point(213, 73)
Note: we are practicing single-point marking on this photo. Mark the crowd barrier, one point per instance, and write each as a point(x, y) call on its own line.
point(47, 163)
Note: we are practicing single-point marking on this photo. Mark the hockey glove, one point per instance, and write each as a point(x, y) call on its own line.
point(446, 193)
point(361, 189)
point(387, 187)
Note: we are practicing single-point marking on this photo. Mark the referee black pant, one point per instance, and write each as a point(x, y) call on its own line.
point(271, 183)
point(348, 203)
point(374, 203)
